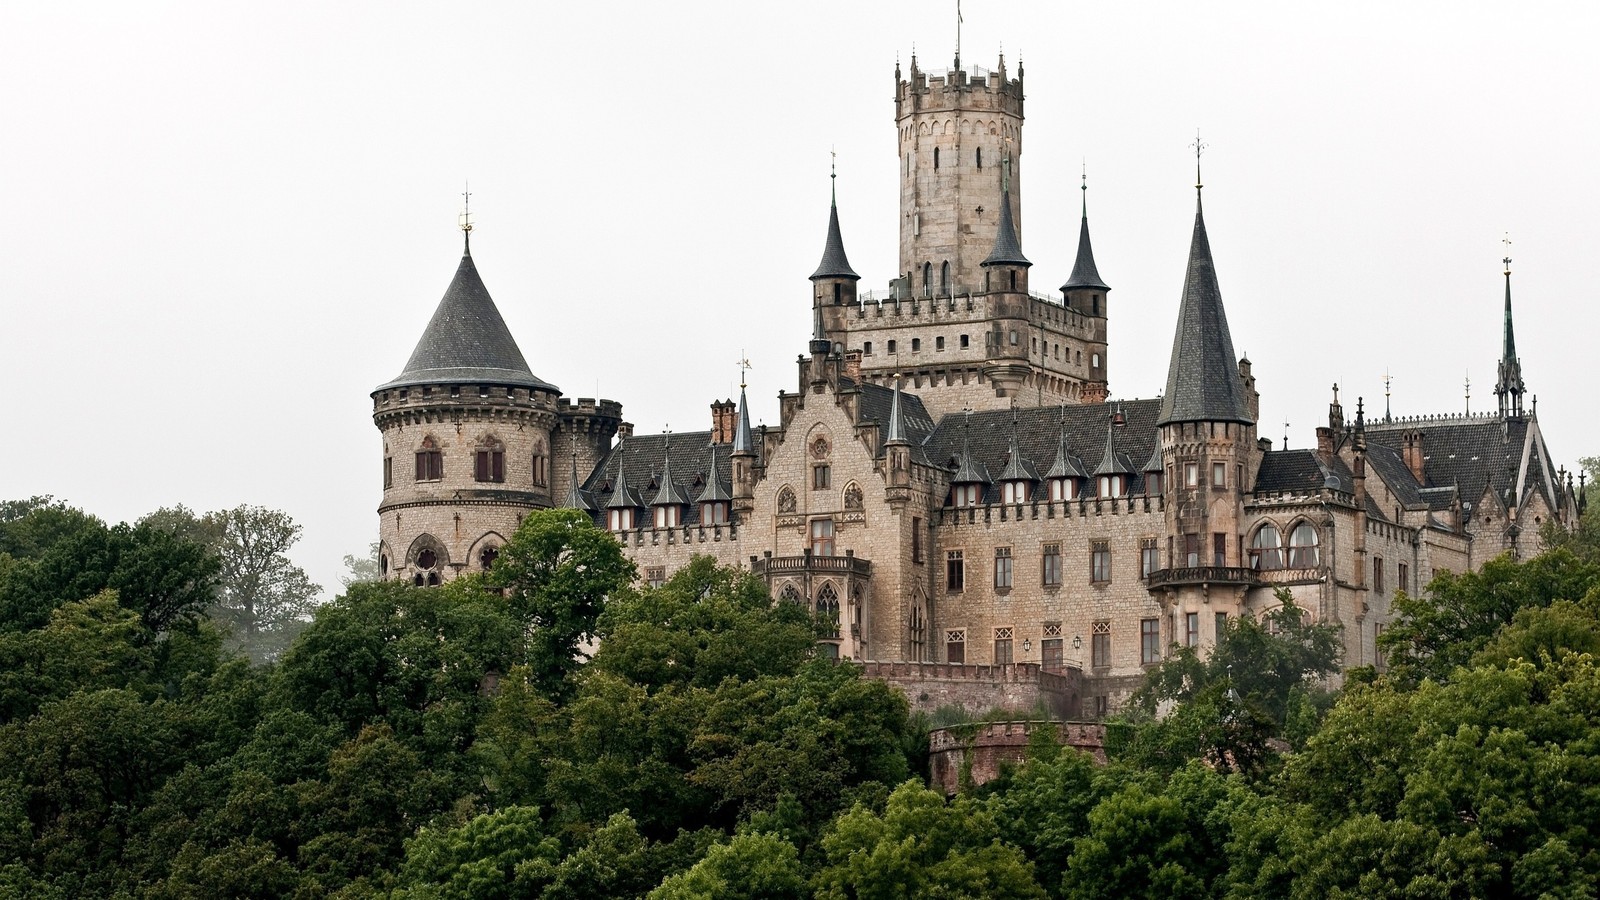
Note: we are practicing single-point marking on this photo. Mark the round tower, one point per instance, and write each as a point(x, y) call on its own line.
point(466, 440)
point(954, 130)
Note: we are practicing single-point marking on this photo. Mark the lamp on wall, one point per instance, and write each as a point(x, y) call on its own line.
point(1027, 645)
point(1077, 642)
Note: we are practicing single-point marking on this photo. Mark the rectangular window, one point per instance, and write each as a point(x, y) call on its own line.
point(541, 470)
point(1149, 557)
point(388, 472)
point(821, 537)
point(1050, 566)
point(1379, 661)
point(1191, 474)
point(964, 342)
point(1219, 475)
point(891, 346)
point(489, 465)
point(1051, 655)
point(1191, 629)
point(1002, 646)
point(916, 540)
point(916, 344)
point(1401, 573)
point(1100, 562)
point(1222, 625)
point(866, 349)
point(1377, 574)
point(955, 646)
point(1219, 550)
point(1002, 568)
point(938, 343)
point(1100, 645)
point(1191, 550)
point(1149, 641)
point(821, 477)
point(656, 575)
point(955, 572)
point(430, 465)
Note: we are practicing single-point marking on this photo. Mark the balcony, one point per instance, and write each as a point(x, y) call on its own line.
point(809, 564)
point(1203, 576)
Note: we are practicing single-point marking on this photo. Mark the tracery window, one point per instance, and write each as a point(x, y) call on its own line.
point(828, 611)
point(1303, 553)
point(1266, 549)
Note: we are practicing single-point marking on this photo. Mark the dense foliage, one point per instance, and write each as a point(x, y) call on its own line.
point(552, 730)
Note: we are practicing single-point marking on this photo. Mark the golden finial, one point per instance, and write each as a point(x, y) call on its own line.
point(1199, 148)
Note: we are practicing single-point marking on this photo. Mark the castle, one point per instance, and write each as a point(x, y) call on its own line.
point(948, 482)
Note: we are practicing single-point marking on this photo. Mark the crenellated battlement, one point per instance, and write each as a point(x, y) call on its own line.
point(945, 90)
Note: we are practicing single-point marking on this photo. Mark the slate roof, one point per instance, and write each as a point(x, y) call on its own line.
point(1476, 454)
point(1203, 377)
point(1038, 436)
point(1299, 471)
point(741, 429)
point(1388, 464)
point(1084, 272)
point(877, 405)
point(467, 341)
point(642, 459)
point(1007, 249)
point(834, 263)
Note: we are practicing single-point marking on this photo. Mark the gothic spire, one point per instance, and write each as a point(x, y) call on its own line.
point(834, 263)
point(575, 498)
point(1112, 463)
point(1084, 272)
point(1066, 465)
point(1203, 375)
point(713, 490)
point(897, 425)
point(1007, 249)
point(1017, 468)
point(1509, 388)
point(621, 497)
point(667, 494)
point(741, 430)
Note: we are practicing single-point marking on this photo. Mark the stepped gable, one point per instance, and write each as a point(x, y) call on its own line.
point(646, 459)
point(1038, 436)
point(467, 341)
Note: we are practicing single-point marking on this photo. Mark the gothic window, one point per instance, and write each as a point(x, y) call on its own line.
point(944, 277)
point(541, 467)
point(980, 157)
point(1052, 657)
point(1377, 574)
point(383, 565)
point(927, 273)
point(1303, 547)
point(791, 594)
point(430, 460)
point(852, 496)
point(936, 157)
point(828, 611)
point(1149, 557)
point(487, 557)
point(656, 576)
point(786, 501)
point(489, 462)
point(917, 631)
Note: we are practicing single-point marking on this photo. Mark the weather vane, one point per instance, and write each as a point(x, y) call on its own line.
point(1507, 260)
point(466, 208)
point(1199, 148)
point(744, 366)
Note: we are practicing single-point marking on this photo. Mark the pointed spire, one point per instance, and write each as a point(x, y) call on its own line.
point(967, 471)
point(741, 430)
point(575, 498)
point(834, 262)
point(1112, 462)
point(1007, 249)
point(1084, 272)
point(668, 494)
point(1017, 468)
point(1066, 465)
point(1203, 375)
point(621, 496)
point(1509, 388)
point(897, 425)
point(713, 491)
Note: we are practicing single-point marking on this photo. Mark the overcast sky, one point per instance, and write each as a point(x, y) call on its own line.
point(223, 224)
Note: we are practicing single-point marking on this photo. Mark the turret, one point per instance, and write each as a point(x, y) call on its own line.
point(1085, 292)
point(743, 460)
point(1005, 281)
point(897, 452)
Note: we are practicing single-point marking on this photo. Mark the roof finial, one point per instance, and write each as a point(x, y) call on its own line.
point(1199, 148)
point(1085, 187)
point(1507, 260)
point(465, 220)
point(744, 367)
point(1468, 386)
point(833, 175)
point(1386, 379)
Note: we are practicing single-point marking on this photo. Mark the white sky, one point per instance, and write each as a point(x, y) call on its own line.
point(223, 224)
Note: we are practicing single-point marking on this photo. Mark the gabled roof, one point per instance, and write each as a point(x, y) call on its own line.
point(467, 341)
point(1007, 249)
point(1112, 462)
point(1476, 453)
point(1203, 376)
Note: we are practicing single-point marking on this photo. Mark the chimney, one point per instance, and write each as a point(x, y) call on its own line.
point(1411, 452)
point(723, 415)
point(1325, 442)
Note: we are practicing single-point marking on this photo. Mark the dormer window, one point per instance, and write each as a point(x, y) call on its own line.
point(1015, 492)
point(965, 495)
point(668, 516)
point(714, 513)
point(1063, 489)
point(1113, 485)
point(1152, 483)
point(620, 520)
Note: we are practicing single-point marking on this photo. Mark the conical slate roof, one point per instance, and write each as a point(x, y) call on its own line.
point(1203, 377)
point(713, 490)
point(468, 341)
point(897, 425)
point(1113, 463)
point(1084, 273)
point(834, 263)
point(1007, 249)
point(669, 494)
point(741, 431)
point(1066, 465)
point(575, 498)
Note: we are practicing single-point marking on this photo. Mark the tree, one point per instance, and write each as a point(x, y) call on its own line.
point(921, 847)
point(1436, 633)
point(362, 569)
point(557, 572)
point(750, 866)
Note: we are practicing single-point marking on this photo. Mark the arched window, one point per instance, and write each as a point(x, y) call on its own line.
point(541, 466)
point(1303, 547)
point(927, 276)
point(828, 611)
point(838, 293)
point(1112, 485)
point(1063, 489)
point(487, 557)
point(980, 157)
point(944, 277)
point(917, 631)
point(1266, 549)
point(1014, 492)
point(936, 157)
point(791, 594)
